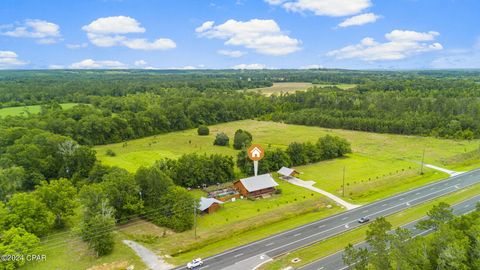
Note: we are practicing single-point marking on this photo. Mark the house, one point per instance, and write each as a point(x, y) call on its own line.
point(256, 186)
point(287, 172)
point(209, 205)
point(256, 153)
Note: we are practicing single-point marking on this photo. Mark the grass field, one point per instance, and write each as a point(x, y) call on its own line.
point(380, 165)
point(291, 87)
point(337, 243)
point(13, 111)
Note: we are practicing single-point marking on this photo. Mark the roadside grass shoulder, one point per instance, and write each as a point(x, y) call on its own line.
point(337, 243)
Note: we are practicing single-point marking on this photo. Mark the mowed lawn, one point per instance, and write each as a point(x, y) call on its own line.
point(292, 87)
point(235, 223)
point(380, 165)
point(34, 109)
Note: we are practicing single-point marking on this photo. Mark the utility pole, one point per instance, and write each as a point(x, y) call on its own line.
point(423, 161)
point(195, 220)
point(343, 193)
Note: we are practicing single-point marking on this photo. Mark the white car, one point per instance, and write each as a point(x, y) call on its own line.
point(195, 263)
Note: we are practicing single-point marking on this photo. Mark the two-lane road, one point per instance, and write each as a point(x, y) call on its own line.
point(253, 254)
point(335, 261)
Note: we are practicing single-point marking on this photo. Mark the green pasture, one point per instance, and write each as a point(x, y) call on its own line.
point(34, 109)
point(292, 87)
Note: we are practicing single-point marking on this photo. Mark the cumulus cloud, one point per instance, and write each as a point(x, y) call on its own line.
point(359, 20)
point(112, 31)
point(42, 31)
point(56, 67)
point(313, 66)
point(77, 46)
point(332, 8)
point(140, 63)
point(249, 66)
point(93, 64)
point(262, 36)
point(400, 44)
point(233, 54)
point(9, 59)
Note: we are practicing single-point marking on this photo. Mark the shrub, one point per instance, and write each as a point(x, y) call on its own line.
point(242, 139)
point(221, 139)
point(110, 153)
point(203, 130)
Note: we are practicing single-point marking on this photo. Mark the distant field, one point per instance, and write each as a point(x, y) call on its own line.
point(291, 87)
point(12, 111)
point(380, 165)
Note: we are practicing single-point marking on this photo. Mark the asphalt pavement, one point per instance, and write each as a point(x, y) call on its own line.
point(252, 255)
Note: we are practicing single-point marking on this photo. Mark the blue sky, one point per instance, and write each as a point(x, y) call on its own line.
point(162, 34)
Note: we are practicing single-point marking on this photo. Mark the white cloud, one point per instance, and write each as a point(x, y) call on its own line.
point(44, 32)
point(233, 54)
point(249, 66)
point(140, 63)
point(77, 46)
point(263, 36)
point(56, 67)
point(111, 31)
point(359, 20)
point(92, 64)
point(313, 66)
point(460, 58)
point(400, 45)
point(333, 8)
point(9, 59)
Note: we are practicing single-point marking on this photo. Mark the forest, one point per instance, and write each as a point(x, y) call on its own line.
point(48, 168)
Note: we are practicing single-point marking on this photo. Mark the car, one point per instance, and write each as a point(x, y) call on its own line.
point(194, 263)
point(363, 220)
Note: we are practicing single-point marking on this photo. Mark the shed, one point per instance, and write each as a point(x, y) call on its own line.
point(284, 171)
point(256, 186)
point(209, 205)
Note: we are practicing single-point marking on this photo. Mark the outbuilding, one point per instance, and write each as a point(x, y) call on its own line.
point(256, 186)
point(287, 172)
point(209, 205)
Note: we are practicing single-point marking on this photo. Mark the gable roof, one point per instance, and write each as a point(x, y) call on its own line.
point(207, 202)
point(286, 171)
point(258, 182)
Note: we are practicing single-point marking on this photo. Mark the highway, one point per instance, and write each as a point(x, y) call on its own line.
point(335, 262)
point(251, 255)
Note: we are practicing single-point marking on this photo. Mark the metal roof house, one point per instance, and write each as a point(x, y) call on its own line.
point(209, 205)
point(256, 186)
point(287, 172)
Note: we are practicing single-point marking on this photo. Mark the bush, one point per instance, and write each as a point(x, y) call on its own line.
point(110, 153)
point(242, 139)
point(221, 139)
point(203, 130)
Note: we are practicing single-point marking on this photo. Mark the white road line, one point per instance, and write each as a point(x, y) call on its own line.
point(269, 244)
point(321, 226)
point(298, 234)
point(345, 218)
point(238, 255)
point(418, 193)
point(447, 180)
point(401, 199)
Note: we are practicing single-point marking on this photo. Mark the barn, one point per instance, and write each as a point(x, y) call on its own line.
point(256, 186)
point(209, 205)
point(287, 172)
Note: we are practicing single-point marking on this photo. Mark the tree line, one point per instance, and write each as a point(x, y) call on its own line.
point(454, 244)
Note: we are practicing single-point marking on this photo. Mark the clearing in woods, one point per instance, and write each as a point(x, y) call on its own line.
point(291, 87)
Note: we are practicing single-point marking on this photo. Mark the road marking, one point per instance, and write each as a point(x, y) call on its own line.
point(203, 267)
point(321, 268)
point(456, 186)
point(408, 204)
point(269, 244)
point(385, 204)
point(238, 255)
point(344, 218)
point(401, 199)
point(298, 234)
point(321, 226)
point(418, 193)
point(346, 226)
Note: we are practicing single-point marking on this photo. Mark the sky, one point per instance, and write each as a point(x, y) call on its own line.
point(239, 34)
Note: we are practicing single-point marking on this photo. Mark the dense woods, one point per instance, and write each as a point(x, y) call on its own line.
point(48, 169)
